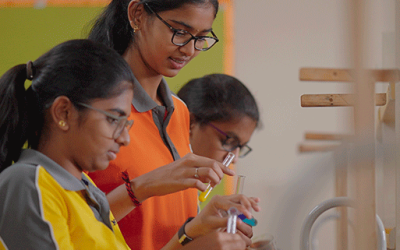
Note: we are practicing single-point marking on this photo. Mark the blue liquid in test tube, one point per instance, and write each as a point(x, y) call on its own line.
point(239, 189)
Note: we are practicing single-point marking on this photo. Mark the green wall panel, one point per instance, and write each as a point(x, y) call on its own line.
point(26, 33)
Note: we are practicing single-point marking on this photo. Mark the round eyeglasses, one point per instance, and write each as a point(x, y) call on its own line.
point(183, 37)
point(120, 122)
point(231, 143)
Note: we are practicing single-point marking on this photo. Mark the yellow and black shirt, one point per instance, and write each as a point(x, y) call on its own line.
point(42, 206)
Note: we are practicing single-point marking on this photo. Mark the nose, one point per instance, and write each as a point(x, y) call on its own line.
point(188, 49)
point(124, 139)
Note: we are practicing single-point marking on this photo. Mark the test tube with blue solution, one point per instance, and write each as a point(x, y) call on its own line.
point(226, 162)
point(239, 190)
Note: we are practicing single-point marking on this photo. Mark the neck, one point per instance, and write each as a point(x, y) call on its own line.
point(147, 77)
point(55, 151)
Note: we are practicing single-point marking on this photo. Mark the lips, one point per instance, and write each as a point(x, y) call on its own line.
point(112, 155)
point(178, 63)
point(178, 60)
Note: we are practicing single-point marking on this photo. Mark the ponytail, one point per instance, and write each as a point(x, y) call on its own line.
point(14, 119)
point(112, 28)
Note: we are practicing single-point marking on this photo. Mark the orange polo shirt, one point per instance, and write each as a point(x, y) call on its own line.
point(157, 139)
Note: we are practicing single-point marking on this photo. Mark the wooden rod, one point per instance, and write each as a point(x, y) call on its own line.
point(304, 148)
point(363, 154)
point(397, 124)
point(341, 161)
point(326, 137)
point(336, 100)
point(386, 113)
point(325, 74)
point(347, 75)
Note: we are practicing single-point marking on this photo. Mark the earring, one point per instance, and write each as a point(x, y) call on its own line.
point(135, 28)
point(62, 123)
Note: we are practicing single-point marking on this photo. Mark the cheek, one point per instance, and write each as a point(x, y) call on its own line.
point(196, 53)
point(94, 140)
point(208, 146)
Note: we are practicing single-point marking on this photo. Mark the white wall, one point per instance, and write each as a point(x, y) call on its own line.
point(273, 40)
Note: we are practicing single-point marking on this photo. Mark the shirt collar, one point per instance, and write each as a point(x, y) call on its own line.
point(143, 102)
point(62, 176)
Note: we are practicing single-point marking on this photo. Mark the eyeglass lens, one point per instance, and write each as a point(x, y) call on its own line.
point(232, 143)
point(201, 43)
point(123, 123)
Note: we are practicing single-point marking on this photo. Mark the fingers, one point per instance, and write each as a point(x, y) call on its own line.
point(244, 236)
point(210, 175)
point(244, 229)
point(204, 169)
point(240, 202)
point(194, 183)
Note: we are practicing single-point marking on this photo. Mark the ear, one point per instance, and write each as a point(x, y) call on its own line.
point(192, 120)
point(192, 123)
point(135, 13)
point(61, 112)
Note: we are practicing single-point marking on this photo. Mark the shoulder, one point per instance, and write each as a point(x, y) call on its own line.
point(18, 173)
point(178, 101)
point(180, 106)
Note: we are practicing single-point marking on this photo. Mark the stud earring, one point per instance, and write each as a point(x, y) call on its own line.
point(135, 28)
point(62, 123)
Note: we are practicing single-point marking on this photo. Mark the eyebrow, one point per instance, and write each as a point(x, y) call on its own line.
point(119, 111)
point(234, 135)
point(188, 26)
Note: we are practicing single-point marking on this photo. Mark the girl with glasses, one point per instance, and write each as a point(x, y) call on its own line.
point(223, 116)
point(74, 117)
point(158, 38)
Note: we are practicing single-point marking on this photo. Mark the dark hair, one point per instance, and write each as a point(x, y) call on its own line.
point(81, 70)
point(218, 97)
point(113, 29)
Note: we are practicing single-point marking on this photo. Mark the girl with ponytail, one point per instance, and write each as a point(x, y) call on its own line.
point(74, 117)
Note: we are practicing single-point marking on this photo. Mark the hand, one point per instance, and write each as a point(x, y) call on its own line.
point(180, 175)
point(212, 218)
point(217, 241)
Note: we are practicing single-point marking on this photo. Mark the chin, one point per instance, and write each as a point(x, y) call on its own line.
point(171, 72)
point(101, 166)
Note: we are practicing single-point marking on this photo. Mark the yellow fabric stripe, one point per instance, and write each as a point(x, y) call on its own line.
point(2, 245)
point(73, 223)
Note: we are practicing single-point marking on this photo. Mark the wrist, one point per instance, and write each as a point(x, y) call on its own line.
point(193, 229)
point(130, 189)
point(183, 237)
point(137, 188)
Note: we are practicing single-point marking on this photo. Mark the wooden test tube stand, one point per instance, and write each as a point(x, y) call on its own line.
point(386, 100)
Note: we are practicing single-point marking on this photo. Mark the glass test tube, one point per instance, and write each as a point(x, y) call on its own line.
point(226, 162)
point(231, 225)
point(240, 184)
point(239, 190)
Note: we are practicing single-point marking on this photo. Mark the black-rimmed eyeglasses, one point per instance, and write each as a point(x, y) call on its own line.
point(231, 143)
point(183, 37)
point(121, 122)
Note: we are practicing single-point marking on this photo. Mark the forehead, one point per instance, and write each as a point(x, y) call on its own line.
point(121, 101)
point(196, 17)
point(241, 128)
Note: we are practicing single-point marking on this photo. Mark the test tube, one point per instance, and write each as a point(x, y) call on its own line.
point(240, 184)
point(231, 225)
point(226, 162)
point(239, 190)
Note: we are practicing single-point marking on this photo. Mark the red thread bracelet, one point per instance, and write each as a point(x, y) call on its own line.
point(125, 177)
